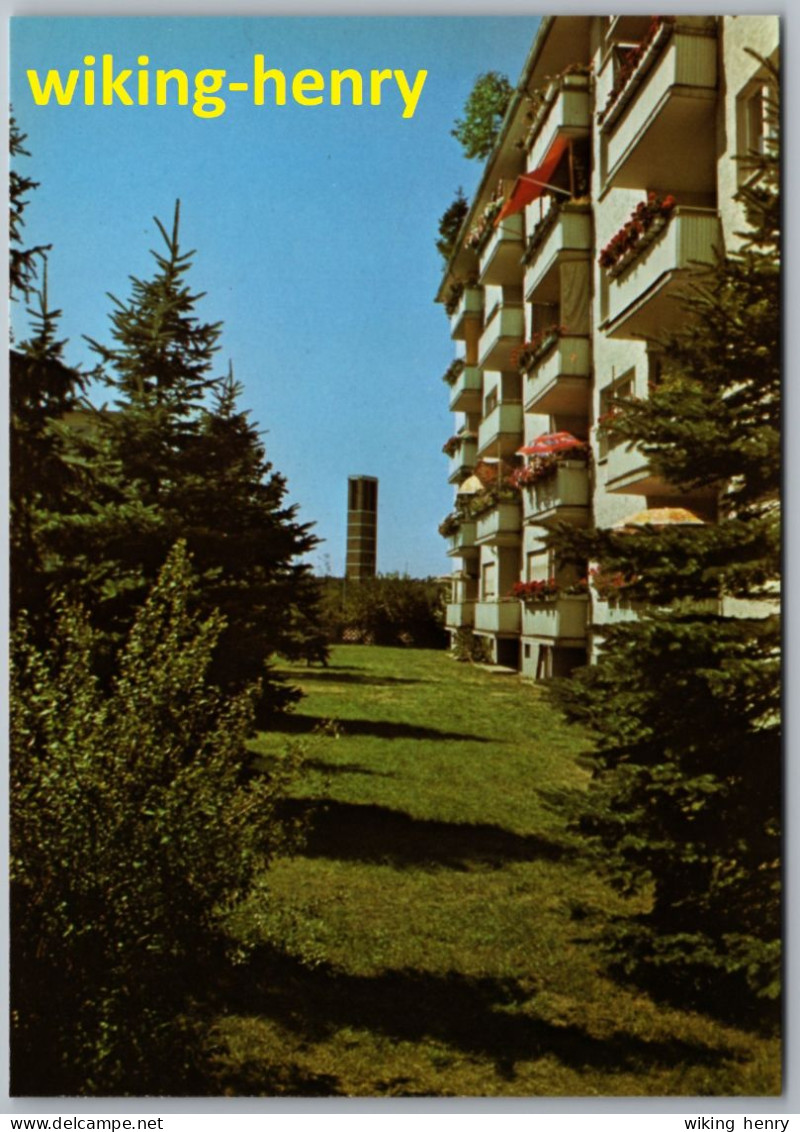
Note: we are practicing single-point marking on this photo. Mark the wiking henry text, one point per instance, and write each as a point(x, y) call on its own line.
point(104, 83)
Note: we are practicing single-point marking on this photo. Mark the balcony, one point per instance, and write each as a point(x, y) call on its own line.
point(501, 526)
point(666, 109)
point(500, 433)
point(463, 461)
point(564, 234)
point(503, 332)
point(628, 472)
point(641, 299)
point(561, 620)
point(563, 497)
point(462, 543)
point(566, 111)
point(500, 617)
point(470, 307)
point(460, 615)
point(500, 258)
point(559, 382)
point(465, 396)
point(627, 29)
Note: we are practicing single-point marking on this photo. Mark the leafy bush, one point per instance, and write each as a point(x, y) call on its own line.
point(135, 829)
point(385, 610)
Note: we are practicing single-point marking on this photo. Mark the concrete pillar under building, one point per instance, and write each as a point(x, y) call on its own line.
point(362, 527)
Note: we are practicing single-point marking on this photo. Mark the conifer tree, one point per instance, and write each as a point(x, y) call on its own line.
point(685, 701)
point(174, 458)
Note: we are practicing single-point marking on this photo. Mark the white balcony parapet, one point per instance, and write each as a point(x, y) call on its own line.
point(460, 615)
point(563, 496)
point(563, 235)
point(500, 617)
point(470, 305)
point(502, 334)
point(561, 619)
point(465, 396)
point(501, 526)
point(559, 381)
point(501, 255)
point(641, 298)
point(500, 433)
point(664, 109)
point(464, 460)
point(462, 543)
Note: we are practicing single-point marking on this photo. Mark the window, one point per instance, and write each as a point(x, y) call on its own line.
point(753, 125)
point(488, 582)
point(622, 387)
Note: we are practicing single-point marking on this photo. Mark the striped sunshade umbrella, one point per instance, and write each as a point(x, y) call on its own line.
point(660, 517)
point(551, 442)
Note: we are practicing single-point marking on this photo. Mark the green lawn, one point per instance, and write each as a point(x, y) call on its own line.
point(437, 935)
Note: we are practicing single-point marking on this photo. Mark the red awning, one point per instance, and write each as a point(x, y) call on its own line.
point(530, 186)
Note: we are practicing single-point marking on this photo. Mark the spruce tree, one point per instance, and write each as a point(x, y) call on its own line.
point(685, 701)
point(174, 458)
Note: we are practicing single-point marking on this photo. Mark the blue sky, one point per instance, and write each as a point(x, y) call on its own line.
point(314, 228)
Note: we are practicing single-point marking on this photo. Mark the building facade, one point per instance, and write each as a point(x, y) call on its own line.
point(617, 123)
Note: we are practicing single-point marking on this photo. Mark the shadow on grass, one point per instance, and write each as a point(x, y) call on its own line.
point(477, 1015)
point(347, 831)
point(336, 676)
point(379, 728)
point(345, 768)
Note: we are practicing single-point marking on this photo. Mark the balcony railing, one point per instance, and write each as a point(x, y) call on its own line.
point(500, 433)
point(628, 472)
point(641, 299)
point(501, 255)
point(462, 543)
point(460, 615)
point(564, 234)
point(563, 497)
point(464, 460)
point(500, 617)
point(559, 381)
point(501, 526)
point(466, 391)
point(669, 101)
point(470, 306)
point(561, 619)
point(502, 334)
point(566, 110)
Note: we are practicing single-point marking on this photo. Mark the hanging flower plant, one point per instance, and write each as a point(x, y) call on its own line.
point(454, 444)
point(450, 525)
point(660, 28)
point(454, 371)
point(644, 223)
point(524, 357)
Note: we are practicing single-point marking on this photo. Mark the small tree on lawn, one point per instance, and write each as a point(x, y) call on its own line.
point(483, 115)
point(685, 702)
point(176, 458)
point(133, 833)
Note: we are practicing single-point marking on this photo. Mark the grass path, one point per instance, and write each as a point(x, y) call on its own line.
point(437, 936)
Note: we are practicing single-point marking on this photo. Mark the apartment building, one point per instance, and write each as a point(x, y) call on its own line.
point(553, 315)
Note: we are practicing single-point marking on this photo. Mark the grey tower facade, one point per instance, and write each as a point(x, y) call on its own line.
point(362, 527)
